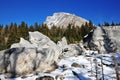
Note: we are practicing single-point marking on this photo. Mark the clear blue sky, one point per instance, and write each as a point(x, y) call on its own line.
point(32, 11)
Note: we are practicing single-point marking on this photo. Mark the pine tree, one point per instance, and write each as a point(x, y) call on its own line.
point(36, 27)
point(112, 24)
point(91, 26)
point(24, 30)
point(84, 30)
point(1, 37)
point(99, 25)
point(1, 29)
point(106, 24)
point(44, 29)
point(31, 28)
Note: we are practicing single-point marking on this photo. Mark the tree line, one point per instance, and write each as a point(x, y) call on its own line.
point(10, 34)
point(109, 24)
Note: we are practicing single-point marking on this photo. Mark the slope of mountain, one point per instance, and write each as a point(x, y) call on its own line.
point(62, 19)
point(105, 39)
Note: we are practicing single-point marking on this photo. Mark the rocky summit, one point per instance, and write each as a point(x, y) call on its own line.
point(62, 19)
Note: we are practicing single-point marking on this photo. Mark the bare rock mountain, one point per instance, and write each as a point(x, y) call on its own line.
point(62, 19)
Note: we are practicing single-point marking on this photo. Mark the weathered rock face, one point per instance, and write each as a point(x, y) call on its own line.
point(39, 54)
point(97, 42)
point(106, 39)
point(113, 39)
point(21, 61)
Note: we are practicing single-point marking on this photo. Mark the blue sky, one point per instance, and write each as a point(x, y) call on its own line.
point(32, 11)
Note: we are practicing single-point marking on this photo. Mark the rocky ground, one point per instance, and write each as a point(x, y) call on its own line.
point(40, 58)
point(83, 67)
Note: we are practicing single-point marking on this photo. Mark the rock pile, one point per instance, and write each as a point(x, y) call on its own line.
point(38, 54)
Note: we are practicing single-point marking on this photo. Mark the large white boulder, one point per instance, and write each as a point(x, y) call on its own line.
point(22, 61)
point(68, 50)
point(23, 43)
point(62, 43)
point(39, 39)
point(71, 50)
point(44, 44)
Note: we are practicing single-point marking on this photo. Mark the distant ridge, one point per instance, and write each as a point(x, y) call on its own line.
point(63, 19)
